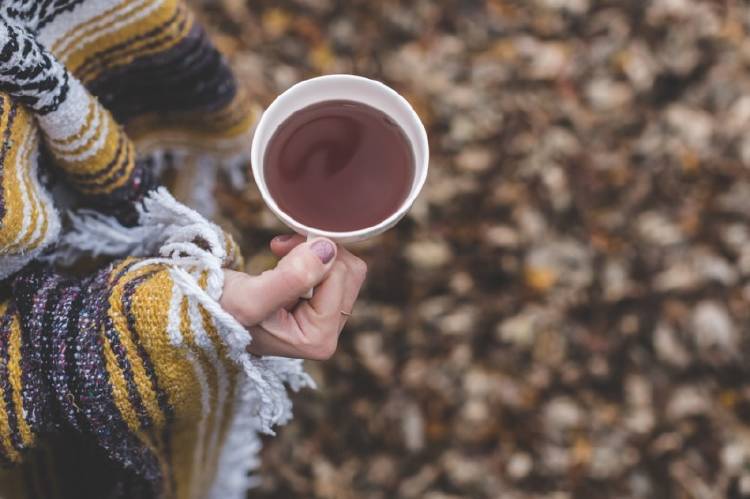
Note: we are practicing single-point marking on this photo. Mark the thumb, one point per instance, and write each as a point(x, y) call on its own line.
point(250, 299)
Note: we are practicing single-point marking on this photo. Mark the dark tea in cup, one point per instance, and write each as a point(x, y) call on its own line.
point(340, 156)
point(339, 166)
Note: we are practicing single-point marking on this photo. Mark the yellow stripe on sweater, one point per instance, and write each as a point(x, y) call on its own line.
point(106, 154)
point(14, 369)
point(174, 371)
point(119, 172)
point(173, 34)
point(117, 378)
point(10, 451)
point(21, 168)
point(92, 50)
point(140, 376)
point(192, 126)
point(26, 145)
point(90, 61)
point(149, 306)
point(14, 223)
point(43, 205)
point(37, 214)
point(28, 209)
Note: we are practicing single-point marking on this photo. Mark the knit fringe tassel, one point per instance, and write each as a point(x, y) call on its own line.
point(191, 246)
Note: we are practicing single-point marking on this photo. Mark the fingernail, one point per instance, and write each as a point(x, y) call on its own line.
point(324, 250)
point(283, 238)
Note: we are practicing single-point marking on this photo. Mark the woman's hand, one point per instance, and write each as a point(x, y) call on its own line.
point(269, 304)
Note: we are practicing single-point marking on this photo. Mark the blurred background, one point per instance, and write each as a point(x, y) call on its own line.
point(564, 312)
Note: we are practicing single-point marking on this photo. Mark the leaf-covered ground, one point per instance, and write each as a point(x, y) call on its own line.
point(564, 313)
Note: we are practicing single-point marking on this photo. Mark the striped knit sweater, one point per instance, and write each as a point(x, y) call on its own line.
point(130, 382)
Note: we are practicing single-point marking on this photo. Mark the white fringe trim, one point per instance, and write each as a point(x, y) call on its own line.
point(239, 456)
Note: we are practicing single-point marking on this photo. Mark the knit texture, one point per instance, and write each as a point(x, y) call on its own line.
point(130, 382)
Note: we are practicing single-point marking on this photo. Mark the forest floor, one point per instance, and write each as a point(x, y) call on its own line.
point(564, 312)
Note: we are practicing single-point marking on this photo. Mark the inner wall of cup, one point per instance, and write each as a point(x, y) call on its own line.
point(333, 88)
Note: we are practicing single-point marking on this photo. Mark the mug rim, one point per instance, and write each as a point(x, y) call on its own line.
point(257, 159)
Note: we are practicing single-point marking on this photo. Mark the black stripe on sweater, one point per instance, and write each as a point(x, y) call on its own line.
point(7, 105)
point(95, 388)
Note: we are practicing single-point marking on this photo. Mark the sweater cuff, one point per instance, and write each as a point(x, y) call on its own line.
point(195, 251)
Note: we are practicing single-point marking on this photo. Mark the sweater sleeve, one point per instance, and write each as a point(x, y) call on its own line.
point(109, 122)
point(82, 140)
point(124, 356)
point(141, 357)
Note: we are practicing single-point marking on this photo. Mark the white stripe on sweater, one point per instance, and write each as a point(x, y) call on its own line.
point(177, 340)
point(21, 168)
point(96, 29)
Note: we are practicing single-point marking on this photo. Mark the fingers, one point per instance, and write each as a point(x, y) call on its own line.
point(340, 288)
point(282, 334)
point(276, 336)
point(283, 244)
point(357, 272)
point(312, 329)
point(253, 298)
point(329, 296)
point(320, 319)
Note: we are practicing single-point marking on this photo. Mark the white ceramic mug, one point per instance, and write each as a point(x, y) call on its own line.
point(341, 87)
